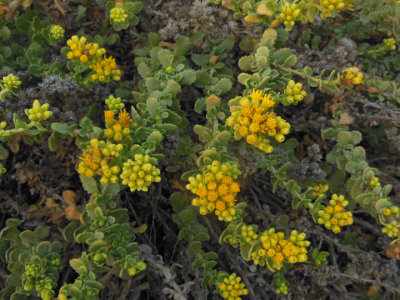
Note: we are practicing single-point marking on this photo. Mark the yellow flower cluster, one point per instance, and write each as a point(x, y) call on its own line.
point(373, 182)
point(117, 129)
point(57, 32)
point(275, 246)
point(114, 104)
point(118, 15)
point(138, 174)
point(104, 68)
point(86, 52)
point(253, 119)
point(38, 112)
point(334, 215)
point(389, 44)
point(393, 210)
point(216, 190)
point(293, 92)
point(248, 233)
point(319, 190)
point(11, 82)
point(231, 287)
point(290, 13)
point(282, 287)
point(351, 76)
point(333, 6)
point(96, 160)
point(391, 231)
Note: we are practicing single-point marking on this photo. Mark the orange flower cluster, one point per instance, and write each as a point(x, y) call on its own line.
point(117, 129)
point(252, 118)
point(216, 191)
point(275, 246)
point(104, 68)
point(96, 160)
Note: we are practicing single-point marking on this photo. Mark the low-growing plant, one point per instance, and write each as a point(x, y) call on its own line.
point(243, 126)
point(33, 262)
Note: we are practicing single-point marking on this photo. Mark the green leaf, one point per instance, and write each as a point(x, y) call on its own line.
point(94, 284)
point(74, 291)
point(153, 39)
point(224, 85)
point(111, 190)
point(37, 70)
point(18, 123)
point(345, 138)
point(243, 77)
point(13, 280)
point(111, 39)
point(262, 56)
point(269, 37)
point(153, 84)
point(185, 176)
point(245, 63)
point(97, 245)
point(386, 190)
point(18, 296)
point(205, 135)
point(284, 221)
point(5, 33)
point(89, 184)
point(22, 24)
point(178, 201)
point(5, 52)
point(120, 215)
point(197, 263)
point(281, 56)
point(13, 222)
point(70, 229)
point(166, 57)
point(186, 215)
point(382, 203)
point(10, 234)
point(134, 7)
point(152, 106)
point(61, 128)
point(155, 136)
point(78, 265)
point(80, 13)
point(223, 137)
point(203, 79)
point(16, 268)
point(245, 251)
point(329, 133)
point(172, 87)
point(188, 77)
point(29, 237)
point(195, 246)
point(270, 161)
point(43, 248)
point(200, 60)
point(53, 142)
point(210, 256)
point(356, 137)
point(184, 233)
point(182, 45)
point(290, 61)
point(143, 70)
point(210, 265)
point(229, 231)
point(201, 237)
